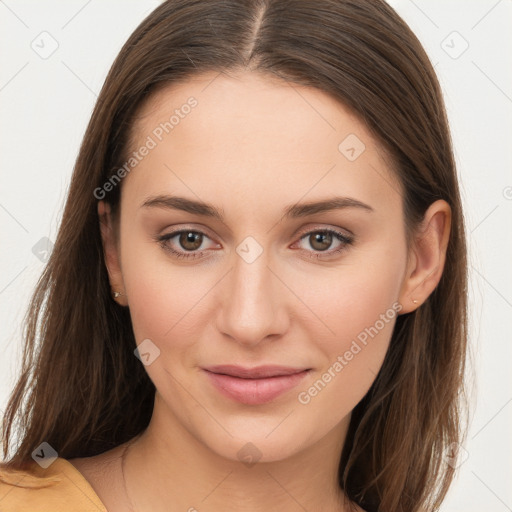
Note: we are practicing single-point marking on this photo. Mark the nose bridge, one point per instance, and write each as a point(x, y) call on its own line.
point(250, 307)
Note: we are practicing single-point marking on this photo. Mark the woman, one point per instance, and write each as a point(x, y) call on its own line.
point(257, 296)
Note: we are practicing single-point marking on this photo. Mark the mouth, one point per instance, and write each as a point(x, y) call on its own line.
point(254, 386)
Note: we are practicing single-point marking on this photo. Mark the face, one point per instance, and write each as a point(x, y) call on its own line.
point(268, 279)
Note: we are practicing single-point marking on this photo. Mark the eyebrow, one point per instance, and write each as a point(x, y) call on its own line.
point(293, 211)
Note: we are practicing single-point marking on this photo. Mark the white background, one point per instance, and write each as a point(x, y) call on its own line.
point(46, 103)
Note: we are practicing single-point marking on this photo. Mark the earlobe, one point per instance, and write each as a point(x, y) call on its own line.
point(111, 253)
point(428, 257)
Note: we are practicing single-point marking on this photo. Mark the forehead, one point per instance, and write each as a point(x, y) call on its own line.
point(248, 106)
point(256, 135)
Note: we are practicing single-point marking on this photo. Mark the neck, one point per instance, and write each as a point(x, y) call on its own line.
point(178, 472)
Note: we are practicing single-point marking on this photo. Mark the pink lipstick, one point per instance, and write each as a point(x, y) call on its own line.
point(254, 386)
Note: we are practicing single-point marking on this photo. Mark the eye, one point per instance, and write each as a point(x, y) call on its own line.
point(187, 239)
point(190, 241)
point(321, 240)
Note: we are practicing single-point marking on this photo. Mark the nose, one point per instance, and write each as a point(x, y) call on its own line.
point(253, 302)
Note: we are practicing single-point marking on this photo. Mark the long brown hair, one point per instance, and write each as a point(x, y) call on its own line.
point(82, 390)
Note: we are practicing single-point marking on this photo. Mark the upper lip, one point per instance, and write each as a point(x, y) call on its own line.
point(258, 372)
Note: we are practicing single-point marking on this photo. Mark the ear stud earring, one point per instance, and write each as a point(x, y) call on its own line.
point(415, 301)
point(116, 294)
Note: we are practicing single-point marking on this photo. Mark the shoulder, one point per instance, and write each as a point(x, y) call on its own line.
point(58, 488)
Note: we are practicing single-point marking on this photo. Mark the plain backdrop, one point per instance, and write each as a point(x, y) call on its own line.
point(54, 58)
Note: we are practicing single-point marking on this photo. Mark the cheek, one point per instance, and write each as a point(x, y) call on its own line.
point(351, 297)
point(166, 300)
point(358, 306)
point(164, 308)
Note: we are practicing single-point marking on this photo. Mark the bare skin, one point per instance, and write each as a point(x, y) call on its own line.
point(252, 146)
point(103, 472)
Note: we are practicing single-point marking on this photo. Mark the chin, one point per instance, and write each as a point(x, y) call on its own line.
point(258, 449)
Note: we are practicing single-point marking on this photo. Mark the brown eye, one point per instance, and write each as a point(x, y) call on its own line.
point(320, 241)
point(185, 244)
point(190, 240)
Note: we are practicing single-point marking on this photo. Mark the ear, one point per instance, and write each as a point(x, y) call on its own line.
point(111, 252)
point(427, 256)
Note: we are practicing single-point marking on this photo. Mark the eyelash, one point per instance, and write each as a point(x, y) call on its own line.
point(345, 239)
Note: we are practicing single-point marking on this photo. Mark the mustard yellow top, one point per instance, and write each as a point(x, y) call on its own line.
point(58, 488)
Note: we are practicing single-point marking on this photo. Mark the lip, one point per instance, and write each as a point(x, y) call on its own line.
point(257, 372)
point(254, 386)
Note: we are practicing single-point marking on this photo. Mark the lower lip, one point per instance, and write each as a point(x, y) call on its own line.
point(255, 391)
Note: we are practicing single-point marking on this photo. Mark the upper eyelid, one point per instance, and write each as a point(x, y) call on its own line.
point(344, 231)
